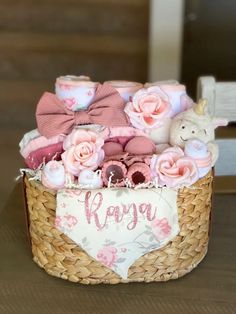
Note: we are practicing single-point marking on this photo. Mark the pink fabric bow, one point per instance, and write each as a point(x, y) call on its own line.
point(107, 109)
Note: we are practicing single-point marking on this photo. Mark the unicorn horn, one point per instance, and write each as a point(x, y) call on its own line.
point(199, 108)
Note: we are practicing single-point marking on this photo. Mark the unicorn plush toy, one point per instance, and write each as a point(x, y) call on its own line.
point(196, 123)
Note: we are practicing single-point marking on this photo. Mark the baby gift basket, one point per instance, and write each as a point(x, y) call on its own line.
point(118, 183)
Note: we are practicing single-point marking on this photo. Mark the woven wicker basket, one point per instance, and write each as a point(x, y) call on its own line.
point(61, 257)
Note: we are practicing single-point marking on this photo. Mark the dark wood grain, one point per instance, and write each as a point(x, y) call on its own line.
point(98, 17)
point(209, 46)
point(41, 40)
point(48, 65)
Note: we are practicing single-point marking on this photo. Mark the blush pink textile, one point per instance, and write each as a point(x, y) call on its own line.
point(148, 109)
point(83, 150)
point(107, 109)
point(112, 148)
point(140, 145)
point(173, 169)
point(125, 131)
point(44, 154)
point(40, 142)
point(176, 93)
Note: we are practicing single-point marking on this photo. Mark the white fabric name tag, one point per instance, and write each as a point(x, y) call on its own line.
point(117, 226)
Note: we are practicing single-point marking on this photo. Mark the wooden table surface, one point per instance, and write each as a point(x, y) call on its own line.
point(27, 289)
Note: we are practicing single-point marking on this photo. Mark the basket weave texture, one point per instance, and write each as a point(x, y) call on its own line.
point(61, 257)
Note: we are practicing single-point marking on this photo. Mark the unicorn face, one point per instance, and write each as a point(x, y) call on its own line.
point(194, 123)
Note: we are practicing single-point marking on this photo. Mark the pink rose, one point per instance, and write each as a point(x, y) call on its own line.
point(148, 108)
point(53, 175)
point(83, 150)
point(161, 228)
point(178, 98)
point(107, 255)
point(173, 169)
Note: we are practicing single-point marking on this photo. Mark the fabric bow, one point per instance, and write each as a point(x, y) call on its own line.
point(107, 109)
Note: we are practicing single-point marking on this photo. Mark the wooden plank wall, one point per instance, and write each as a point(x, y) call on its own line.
point(40, 40)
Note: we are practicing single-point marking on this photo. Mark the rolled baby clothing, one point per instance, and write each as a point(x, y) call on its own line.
point(126, 89)
point(198, 151)
point(29, 145)
point(27, 138)
point(53, 175)
point(76, 92)
point(37, 149)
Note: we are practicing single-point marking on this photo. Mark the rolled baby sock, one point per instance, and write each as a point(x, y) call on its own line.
point(90, 179)
point(198, 151)
point(76, 92)
point(53, 175)
point(29, 145)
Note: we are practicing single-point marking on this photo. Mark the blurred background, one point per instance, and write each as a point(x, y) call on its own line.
point(137, 40)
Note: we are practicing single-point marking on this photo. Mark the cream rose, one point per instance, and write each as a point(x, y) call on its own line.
point(148, 108)
point(83, 150)
point(173, 169)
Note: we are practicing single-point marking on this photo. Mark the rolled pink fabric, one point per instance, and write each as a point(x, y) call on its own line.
point(40, 142)
point(44, 154)
point(198, 151)
point(126, 88)
point(139, 173)
point(112, 148)
point(115, 171)
point(76, 92)
point(173, 169)
point(140, 145)
point(124, 131)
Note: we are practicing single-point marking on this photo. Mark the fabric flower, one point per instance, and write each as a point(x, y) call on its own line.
point(53, 175)
point(161, 228)
point(173, 169)
point(176, 93)
point(148, 108)
point(107, 255)
point(83, 150)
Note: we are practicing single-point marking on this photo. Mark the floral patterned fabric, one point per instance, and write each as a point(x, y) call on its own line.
point(117, 226)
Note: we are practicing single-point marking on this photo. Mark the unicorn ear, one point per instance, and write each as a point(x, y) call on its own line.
point(219, 122)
